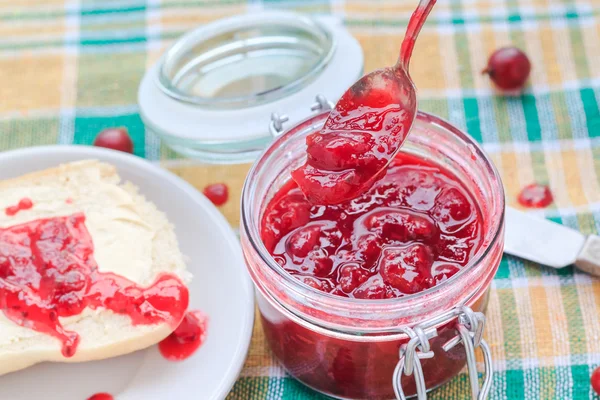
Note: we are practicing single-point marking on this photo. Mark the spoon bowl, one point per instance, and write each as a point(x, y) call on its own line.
point(365, 129)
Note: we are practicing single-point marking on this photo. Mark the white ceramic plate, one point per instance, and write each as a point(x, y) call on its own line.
point(221, 288)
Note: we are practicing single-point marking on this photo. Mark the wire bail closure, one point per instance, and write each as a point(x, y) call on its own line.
point(277, 120)
point(470, 327)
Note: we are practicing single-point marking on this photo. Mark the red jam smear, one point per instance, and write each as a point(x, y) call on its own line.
point(24, 204)
point(217, 193)
point(535, 196)
point(187, 338)
point(416, 227)
point(358, 140)
point(101, 396)
point(48, 270)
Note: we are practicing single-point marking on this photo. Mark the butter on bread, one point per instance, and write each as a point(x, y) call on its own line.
point(132, 238)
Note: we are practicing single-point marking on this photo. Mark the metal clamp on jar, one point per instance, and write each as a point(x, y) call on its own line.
point(376, 349)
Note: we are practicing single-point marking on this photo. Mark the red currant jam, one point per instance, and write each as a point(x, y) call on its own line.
point(48, 271)
point(416, 227)
point(358, 140)
point(535, 196)
point(217, 193)
point(187, 338)
point(101, 396)
point(23, 204)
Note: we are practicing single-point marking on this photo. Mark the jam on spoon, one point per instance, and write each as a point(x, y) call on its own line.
point(365, 129)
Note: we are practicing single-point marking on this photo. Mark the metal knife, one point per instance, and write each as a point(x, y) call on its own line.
point(548, 243)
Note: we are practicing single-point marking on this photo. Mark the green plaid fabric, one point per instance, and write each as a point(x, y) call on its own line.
point(70, 68)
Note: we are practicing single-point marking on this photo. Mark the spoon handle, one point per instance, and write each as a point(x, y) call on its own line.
point(412, 31)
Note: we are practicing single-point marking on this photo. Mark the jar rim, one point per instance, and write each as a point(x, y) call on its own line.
point(252, 232)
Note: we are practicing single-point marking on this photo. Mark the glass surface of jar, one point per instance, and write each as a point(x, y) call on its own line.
point(346, 347)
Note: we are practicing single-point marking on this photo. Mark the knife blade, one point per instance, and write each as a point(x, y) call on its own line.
point(548, 243)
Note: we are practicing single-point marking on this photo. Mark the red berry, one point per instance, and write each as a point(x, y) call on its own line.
point(303, 240)
point(369, 249)
point(508, 68)
point(595, 380)
point(115, 139)
point(373, 288)
point(350, 276)
point(319, 284)
point(452, 208)
point(318, 263)
point(407, 268)
point(535, 196)
point(218, 193)
point(400, 225)
point(443, 272)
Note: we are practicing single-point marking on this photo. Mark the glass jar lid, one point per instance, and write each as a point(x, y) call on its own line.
point(245, 62)
point(212, 93)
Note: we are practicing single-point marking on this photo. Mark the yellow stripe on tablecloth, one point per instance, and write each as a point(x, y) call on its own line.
point(564, 54)
point(590, 181)
point(593, 334)
point(68, 97)
point(27, 5)
point(386, 43)
point(524, 169)
point(427, 61)
point(542, 323)
point(527, 328)
point(587, 298)
point(578, 181)
point(392, 8)
point(549, 62)
point(17, 29)
point(590, 33)
point(558, 320)
point(380, 9)
point(189, 18)
point(482, 45)
point(449, 56)
point(35, 82)
point(516, 172)
point(560, 178)
point(494, 332)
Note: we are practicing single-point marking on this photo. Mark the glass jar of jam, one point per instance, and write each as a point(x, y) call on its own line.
point(335, 314)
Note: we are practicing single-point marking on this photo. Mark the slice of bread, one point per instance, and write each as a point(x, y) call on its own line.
point(131, 238)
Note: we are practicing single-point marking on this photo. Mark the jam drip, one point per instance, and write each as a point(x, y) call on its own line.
point(47, 271)
point(24, 204)
point(415, 228)
point(187, 338)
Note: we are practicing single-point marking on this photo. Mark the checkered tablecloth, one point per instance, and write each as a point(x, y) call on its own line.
point(69, 68)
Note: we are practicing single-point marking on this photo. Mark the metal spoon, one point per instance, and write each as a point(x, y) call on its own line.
point(365, 129)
